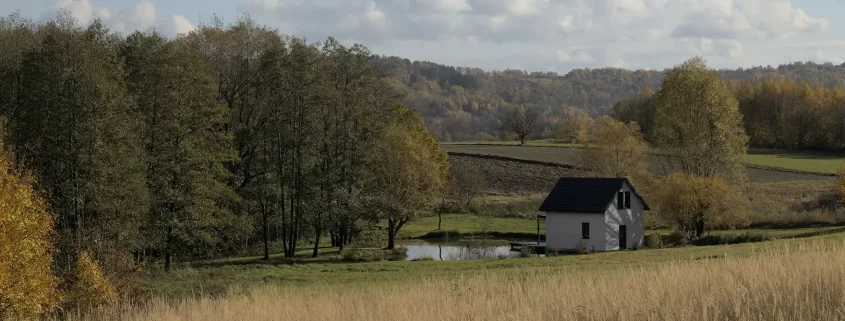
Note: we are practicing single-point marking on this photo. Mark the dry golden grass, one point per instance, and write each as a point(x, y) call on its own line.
point(791, 282)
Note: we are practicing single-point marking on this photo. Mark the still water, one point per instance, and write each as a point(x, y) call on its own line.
point(458, 251)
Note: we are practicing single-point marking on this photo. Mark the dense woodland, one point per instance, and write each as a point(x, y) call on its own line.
point(149, 149)
point(778, 111)
point(460, 104)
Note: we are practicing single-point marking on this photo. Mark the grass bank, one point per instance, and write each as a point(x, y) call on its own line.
point(224, 278)
point(784, 280)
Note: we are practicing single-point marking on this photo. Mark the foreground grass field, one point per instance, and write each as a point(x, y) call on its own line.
point(778, 280)
point(544, 150)
point(237, 277)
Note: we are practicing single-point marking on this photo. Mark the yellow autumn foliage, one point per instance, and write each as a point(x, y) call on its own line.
point(28, 285)
point(695, 204)
point(91, 289)
point(840, 186)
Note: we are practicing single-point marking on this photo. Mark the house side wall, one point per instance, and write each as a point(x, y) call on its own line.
point(632, 218)
point(563, 230)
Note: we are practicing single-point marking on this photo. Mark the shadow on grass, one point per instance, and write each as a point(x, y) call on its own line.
point(335, 256)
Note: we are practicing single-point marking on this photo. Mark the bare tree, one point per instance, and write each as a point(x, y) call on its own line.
point(522, 121)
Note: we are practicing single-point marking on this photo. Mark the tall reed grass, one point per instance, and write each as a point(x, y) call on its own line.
point(790, 282)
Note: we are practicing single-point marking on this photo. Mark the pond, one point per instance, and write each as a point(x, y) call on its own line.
point(445, 251)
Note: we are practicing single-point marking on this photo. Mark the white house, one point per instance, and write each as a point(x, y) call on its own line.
point(605, 213)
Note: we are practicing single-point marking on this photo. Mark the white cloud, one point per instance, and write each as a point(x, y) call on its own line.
point(523, 7)
point(182, 25)
point(139, 17)
point(450, 6)
point(579, 56)
point(728, 32)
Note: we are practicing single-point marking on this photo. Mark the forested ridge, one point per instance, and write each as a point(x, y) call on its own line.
point(464, 103)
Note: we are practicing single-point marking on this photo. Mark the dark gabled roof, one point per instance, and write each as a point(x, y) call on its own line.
point(584, 195)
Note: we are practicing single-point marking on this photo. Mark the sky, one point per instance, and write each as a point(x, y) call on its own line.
point(533, 35)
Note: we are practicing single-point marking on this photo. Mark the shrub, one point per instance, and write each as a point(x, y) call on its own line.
point(370, 238)
point(582, 247)
point(527, 251)
point(28, 285)
point(91, 289)
point(654, 241)
point(723, 239)
point(677, 238)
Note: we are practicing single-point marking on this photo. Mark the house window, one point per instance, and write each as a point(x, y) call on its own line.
point(627, 199)
point(620, 200)
point(585, 231)
point(623, 200)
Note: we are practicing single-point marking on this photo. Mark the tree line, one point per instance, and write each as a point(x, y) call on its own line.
point(464, 104)
point(778, 112)
point(153, 148)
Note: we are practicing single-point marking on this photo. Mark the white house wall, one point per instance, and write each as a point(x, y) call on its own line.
point(632, 218)
point(563, 230)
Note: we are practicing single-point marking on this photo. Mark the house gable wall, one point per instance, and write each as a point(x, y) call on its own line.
point(632, 218)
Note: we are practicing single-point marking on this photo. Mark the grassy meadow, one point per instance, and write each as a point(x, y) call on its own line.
point(784, 266)
point(779, 280)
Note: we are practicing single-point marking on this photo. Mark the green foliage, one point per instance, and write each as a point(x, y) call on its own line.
point(185, 148)
point(412, 170)
point(76, 127)
point(697, 121)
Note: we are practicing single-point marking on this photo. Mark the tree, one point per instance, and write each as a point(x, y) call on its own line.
point(840, 186)
point(522, 121)
point(465, 185)
point(411, 170)
point(573, 126)
point(76, 128)
point(185, 147)
point(698, 122)
point(616, 149)
point(28, 285)
point(694, 204)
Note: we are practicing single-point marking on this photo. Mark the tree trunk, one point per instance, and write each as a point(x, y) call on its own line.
point(317, 231)
point(266, 234)
point(439, 219)
point(167, 261)
point(522, 140)
point(391, 234)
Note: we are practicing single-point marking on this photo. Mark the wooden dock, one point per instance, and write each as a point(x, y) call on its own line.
point(536, 247)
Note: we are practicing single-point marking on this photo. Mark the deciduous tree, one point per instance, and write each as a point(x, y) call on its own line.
point(694, 204)
point(28, 285)
point(698, 123)
point(411, 170)
point(522, 121)
point(616, 149)
point(185, 147)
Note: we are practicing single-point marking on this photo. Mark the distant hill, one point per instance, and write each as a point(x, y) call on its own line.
point(462, 103)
